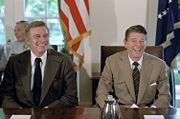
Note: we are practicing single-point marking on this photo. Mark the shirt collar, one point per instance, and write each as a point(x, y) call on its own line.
point(43, 58)
point(139, 61)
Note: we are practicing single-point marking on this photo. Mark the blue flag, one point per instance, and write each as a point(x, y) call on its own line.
point(168, 28)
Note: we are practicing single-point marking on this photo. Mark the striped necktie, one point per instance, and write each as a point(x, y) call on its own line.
point(136, 79)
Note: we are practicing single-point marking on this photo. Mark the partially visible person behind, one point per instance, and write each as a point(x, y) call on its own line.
point(39, 77)
point(3, 62)
point(3, 59)
point(19, 45)
point(143, 85)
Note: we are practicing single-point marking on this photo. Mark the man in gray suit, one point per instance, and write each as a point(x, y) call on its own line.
point(153, 88)
point(58, 78)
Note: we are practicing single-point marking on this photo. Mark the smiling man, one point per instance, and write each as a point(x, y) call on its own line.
point(39, 77)
point(139, 79)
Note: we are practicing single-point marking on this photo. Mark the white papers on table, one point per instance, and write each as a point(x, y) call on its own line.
point(20, 117)
point(153, 117)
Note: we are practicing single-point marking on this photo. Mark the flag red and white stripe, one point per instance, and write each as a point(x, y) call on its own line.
point(75, 20)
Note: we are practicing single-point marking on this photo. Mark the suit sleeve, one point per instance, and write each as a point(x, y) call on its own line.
point(163, 95)
point(69, 97)
point(8, 87)
point(104, 85)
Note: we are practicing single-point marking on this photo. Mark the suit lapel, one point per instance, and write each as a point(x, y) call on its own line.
point(50, 71)
point(26, 71)
point(128, 75)
point(145, 74)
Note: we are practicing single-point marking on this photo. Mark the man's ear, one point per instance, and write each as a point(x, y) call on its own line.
point(27, 41)
point(125, 42)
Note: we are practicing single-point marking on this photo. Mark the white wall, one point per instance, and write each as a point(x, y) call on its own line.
point(151, 20)
point(109, 20)
point(13, 13)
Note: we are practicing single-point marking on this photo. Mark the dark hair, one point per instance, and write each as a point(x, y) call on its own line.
point(35, 24)
point(135, 28)
point(22, 22)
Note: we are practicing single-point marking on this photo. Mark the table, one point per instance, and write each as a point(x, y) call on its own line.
point(138, 113)
point(87, 113)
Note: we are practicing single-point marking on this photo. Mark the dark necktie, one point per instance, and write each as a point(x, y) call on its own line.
point(136, 78)
point(37, 82)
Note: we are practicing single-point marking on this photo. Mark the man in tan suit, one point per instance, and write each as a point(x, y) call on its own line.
point(56, 84)
point(153, 88)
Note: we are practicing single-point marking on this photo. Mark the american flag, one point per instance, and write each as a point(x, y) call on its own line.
point(75, 21)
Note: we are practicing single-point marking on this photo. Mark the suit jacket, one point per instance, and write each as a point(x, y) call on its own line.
point(58, 87)
point(153, 88)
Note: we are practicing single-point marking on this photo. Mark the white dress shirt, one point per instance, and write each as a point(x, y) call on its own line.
point(139, 61)
point(42, 65)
